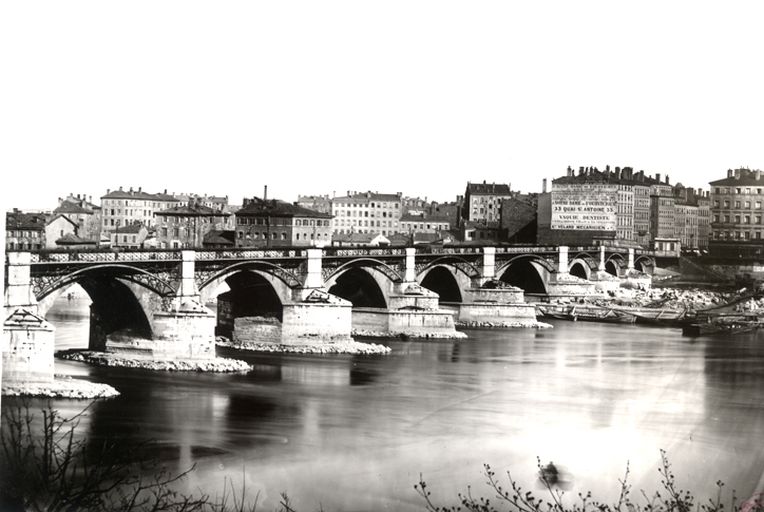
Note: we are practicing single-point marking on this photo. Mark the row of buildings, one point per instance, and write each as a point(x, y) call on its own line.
point(588, 206)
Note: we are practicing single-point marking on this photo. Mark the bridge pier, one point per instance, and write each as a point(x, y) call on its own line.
point(28, 340)
point(412, 311)
point(562, 283)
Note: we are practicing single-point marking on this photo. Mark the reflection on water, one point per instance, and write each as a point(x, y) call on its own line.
point(354, 433)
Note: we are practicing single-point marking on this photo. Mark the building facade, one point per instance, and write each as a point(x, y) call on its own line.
point(36, 231)
point(273, 223)
point(616, 205)
point(83, 213)
point(127, 207)
point(132, 236)
point(482, 201)
point(186, 226)
point(321, 204)
point(367, 212)
point(737, 209)
point(424, 223)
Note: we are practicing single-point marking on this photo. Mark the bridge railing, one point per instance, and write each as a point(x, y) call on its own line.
point(103, 256)
point(246, 254)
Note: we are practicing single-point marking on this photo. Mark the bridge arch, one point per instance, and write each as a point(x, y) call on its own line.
point(447, 281)
point(614, 264)
point(529, 272)
point(363, 285)
point(579, 267)
point(282, 281)
point(123, 299)
point(644, 264)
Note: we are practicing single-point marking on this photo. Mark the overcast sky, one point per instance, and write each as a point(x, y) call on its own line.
point(410, 96)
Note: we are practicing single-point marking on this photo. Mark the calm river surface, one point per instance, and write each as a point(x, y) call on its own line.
point(354, 433)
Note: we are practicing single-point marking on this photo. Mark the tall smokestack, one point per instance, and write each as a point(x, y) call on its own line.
point(265, 192)
point(543, 186)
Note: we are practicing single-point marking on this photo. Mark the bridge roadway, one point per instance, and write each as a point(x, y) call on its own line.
point(315, 294)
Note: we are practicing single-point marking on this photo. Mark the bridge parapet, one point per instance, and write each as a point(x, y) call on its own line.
point(103, 256)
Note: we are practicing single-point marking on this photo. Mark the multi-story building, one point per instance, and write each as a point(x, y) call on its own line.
point(618, 205)
point(186, 226)
point(82, 212)
point(691, 217)
point(128, 207)
point(274, 223)
point(519, 219)
point(662, 210)
point(482, 201)
point(36, 231)
point(737, 210)
point(132, 236)
point(367, 212)
point(410, 223)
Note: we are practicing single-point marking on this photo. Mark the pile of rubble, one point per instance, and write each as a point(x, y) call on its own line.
point(694, 299)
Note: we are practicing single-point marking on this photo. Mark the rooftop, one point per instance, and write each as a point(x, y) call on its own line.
point(622, 176)
point(738, 177)
point(137, 194)
point(494, 189)
point(193, 210)
point(370, 196)
point(257, 207)
point(72, 208)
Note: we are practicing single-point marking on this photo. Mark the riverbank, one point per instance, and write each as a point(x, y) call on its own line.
point(62, 386)
point(344, 347)
point(215, 365)
point(364, 333)
point(503, 325)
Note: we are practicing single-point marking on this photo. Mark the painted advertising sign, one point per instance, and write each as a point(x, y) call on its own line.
point(584, 206)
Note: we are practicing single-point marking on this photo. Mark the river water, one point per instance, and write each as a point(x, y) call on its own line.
point(355, 433)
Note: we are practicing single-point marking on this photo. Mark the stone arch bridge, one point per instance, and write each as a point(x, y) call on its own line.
point(158, 296)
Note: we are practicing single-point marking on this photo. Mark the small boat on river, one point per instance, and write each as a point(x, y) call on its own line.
point(586, 312)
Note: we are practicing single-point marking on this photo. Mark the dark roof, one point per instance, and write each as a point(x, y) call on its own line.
point(597, 176)
point(426, 218)
point(426, 237)
point(746, 177)
point(198, 210)
point(29, 221)
point(218, 237)
point(72, 239)
point(275, 208)
point(137, 194)
point(355, 237)
point(72, 208)
point(371, 196)
point(33, 221)
point(130, 228)
point(493, 189)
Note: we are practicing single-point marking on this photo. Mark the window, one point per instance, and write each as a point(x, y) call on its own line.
point(283, 236)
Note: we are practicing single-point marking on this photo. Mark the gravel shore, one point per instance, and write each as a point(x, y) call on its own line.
point(456, 335)
point(216, 365)
point(61, 387)
point(503, 325)
point(345, 347)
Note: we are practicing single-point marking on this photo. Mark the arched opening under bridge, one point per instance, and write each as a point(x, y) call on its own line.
point(440, 280)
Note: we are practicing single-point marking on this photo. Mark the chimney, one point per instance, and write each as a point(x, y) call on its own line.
point(729, 173)
point(667, 179)
point(165, 191)
point(120, 188)
point(581, 171)
point(107, 191)
point(140, 189)
point(570, 171)
point(543, 186)
point(265, 193)
point(131, 190)
point(658, 177)
point(737, 174)
point(758, 175)
point(607, 168)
